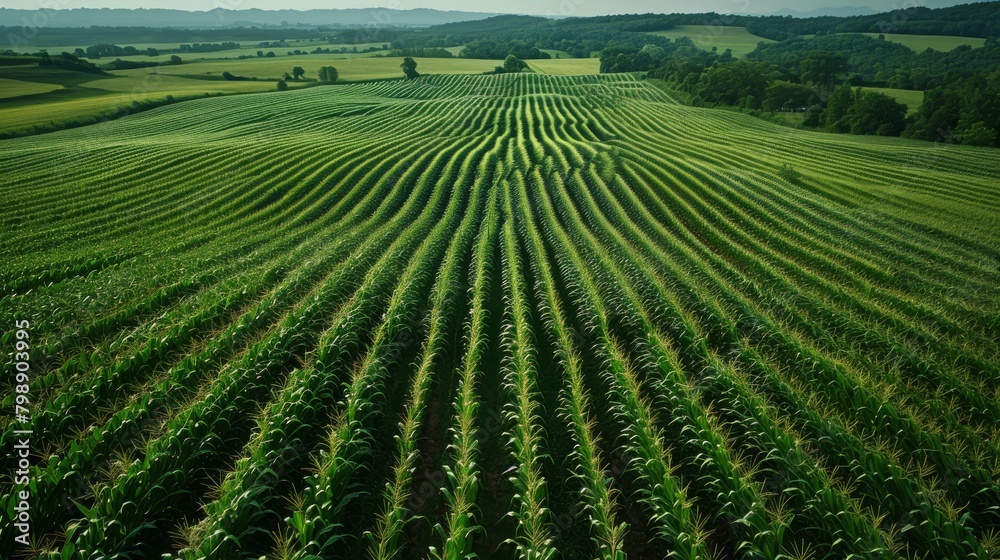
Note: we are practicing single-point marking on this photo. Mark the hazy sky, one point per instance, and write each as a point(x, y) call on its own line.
point(552, 7)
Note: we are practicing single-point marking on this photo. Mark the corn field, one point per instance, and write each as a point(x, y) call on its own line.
point(513, 316)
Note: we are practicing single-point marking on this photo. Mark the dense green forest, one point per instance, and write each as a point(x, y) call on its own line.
point(824, 85)
point(882, 62)
point(980, 19)
point(582, 36)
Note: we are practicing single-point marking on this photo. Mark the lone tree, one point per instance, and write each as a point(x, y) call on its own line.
point(841, 99)
point(297, 72)
point(878, 114)
point(655, 52)
point(409, 67)
point(328, 74)
point(512, 64)
point(282, 85)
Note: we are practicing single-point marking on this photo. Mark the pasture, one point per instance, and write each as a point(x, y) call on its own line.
point(52, 103)
point(350, 69)
point(566, 66)
point(85, 96)
point(721, 37)
point(18, 88)
point(920, 43)
point(910, 98)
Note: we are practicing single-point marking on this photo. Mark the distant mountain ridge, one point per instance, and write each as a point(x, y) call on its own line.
point(844, 11)
point(977, 19)
point(218, 17)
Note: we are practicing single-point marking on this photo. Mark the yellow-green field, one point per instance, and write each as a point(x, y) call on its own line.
point(350, 69)
point(40, 112)
point(43, 98)
point(17, 88)
point(52, 102)
point(789, 119)
point(566, 66)
point(144, 82)
point(912, 99)
point(555, 53)
point(920, 43)
point(705, 37)
point(54, 76)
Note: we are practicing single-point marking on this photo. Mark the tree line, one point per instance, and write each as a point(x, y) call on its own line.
point(963, 111)
point(421, 52)
point(95, 52)
point(526, 36)
point(877, 61)
point(981, 19)
point(67, 61)
point(580, 37)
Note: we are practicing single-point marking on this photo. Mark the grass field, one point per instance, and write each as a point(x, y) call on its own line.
point(722, 37)
point(349, 69)
point(555, 53)
point(54, 103)
point(56, 76)
point(85, 95)
point(483, 314)
point(17, 88)
point(157, 84)
point(41, 110)
point(910, 98)
point(566, 66)
point(920, 43)
point(789, 118)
